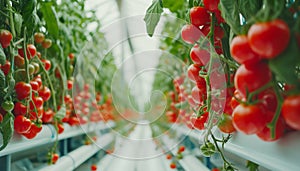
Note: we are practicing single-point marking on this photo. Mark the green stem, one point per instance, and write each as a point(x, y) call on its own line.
point(11, 19)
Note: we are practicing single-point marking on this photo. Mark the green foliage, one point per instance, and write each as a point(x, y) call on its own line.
point(6, 129)
point(152, 16)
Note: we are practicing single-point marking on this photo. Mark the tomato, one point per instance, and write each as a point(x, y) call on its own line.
point(242, 52)
point(1, 117)
point(219, 17)
point(71, 56)
point(7, 106)
point(93, 167)
point(225, 124)
point(73, 120)
point(199, 16)
point(39, 37)
point(31, 51)
point(249, 119)
point(250, 78)
point(47, 43)
point(262, 39)
point(290, 111)
point(54, 158)
point(38, 79)
point(173, 165)
point(21, 124)
point(34, 85)
point(37, 102)
point(181, 149)
point(34, 130)
point(5, 38)
point(265, 134)
point(60, 128)
point(22, 90)
point(269, 99)
point(199, 95)
point(172, 116)
point(198, 122)
point(215, 169)
point(190, 34)
point(168, 156)
point(211, 5)
point(193, 73)
point(70, 84)
point(19, 61)
point(48, 116)
point(5, 68)
point(218, 32)
point(47, 64)
point(45, 93)
point(235, 99)
point(20, 109)
point(199, 55)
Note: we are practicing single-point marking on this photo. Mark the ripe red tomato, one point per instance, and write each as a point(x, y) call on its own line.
point(31, 51)
point(19, 61)
point(93, 167)
point(199, 56)
point(33, 131)
point(265, 134)
point(198, 122)
point(199, 16)
point(1, 117)
point(70, 84)
point(22, 124)
point(54, 158)
point(218, 32)
point(193, 73)
point(38, 79)
point(290, 111)
point(211, 5)
point(249, 119)
point(199, 95)
point(60, 128)
point(242, 52)
point(5, 68)
point(235, 99)
point(48, 116)
point(39, 37)
point(168, 156)
point(262, 39)
point(219, 17)
point(190, 33)
point(47, 64)
point(269, 99)
point(34, 85)
point(22, 90)
point(249, 78)
point(225, 124)
point(73, 120)
point(20, 109)
point(71, 56)
point(47, 43)
point(181, 149)
point(5, 38)
point(45, 93)
point(37, 102)
point(173, 165)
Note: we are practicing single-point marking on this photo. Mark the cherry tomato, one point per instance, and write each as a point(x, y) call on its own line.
point(45, 93)
point(70, 84)
point(33, 131)
point(225, 124)
point(47, 64)
point(5, 38)
point(73, 120)
point(172, 116)
point(5, 68)
point(290, 111)
point(31, 51)
point(54, 158)
point(34, 85)
point(190, 33)
point(199, 95)
point(242, 52)
point(173, 165)
point(47, 43)
point(48, 116)
point(22, 90)
point(37, 102)
point(218, 32)
point(211, 5)
point(219, 17)
point(19, 61)
point(249, 119)
point(60, 129)
point(199, 16)
point(181, 149)
point(20, 109)
point(71, 56)
point(235, 99)
point(269, 99)
point(193, 73)
point(265, 134)
point(1, 117)
point(39, 37)
point(198, 122)
point(21, 124)
point(249, 78)
point(93, 167)
point(38, 79)
point(199, 55)
point(262, 39)
point(168, 156)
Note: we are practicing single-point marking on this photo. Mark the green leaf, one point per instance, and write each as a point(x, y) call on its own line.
point(173, 5)
point(152, 17)
point(27, 7)
point(61, 113)
point(230, 12)
point(2, 85)
point(284, 65)
point(50, 16)
point(249, 7)
point(18, 23)
point(7, 129)
point(252, 166)
point(2, 56)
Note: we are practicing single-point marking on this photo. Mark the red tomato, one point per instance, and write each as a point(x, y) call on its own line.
point(47, 64)
point(22, 124)
point(290, 111)
point(70, 84)
point(199, 16)
point(34, 130)
point(218, 32)
point(262, 39)
point(73, 120)
point(168, 156)
point(5, 68)
point(5, 38)
point(31, 51)
point(211, 5)
point(181, 149)
point(1, 117)
point(71, 56)
point(34, 85)
point(173, 165)
point(250, 78)
point(235, 99)
point(37, 102)
point(265, 134)
point(22, 90)
point(60, 128)
point(199, 95)
point(39, 37)
point(54, 158)
point(190, 34)
point(199, 56)
point(93, 167)
point(193, 73)
point(219, 17)
point(20, 109)
point(225, 124)
point(249, 119)
point(38, 79)
point(198, 122)
point(242, 52)
point(269, 99)
point(48, 116)
point(45, 93)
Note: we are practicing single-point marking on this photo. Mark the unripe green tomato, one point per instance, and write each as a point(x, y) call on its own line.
point(31, 69)
point(36, 67)
point(8, 106)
